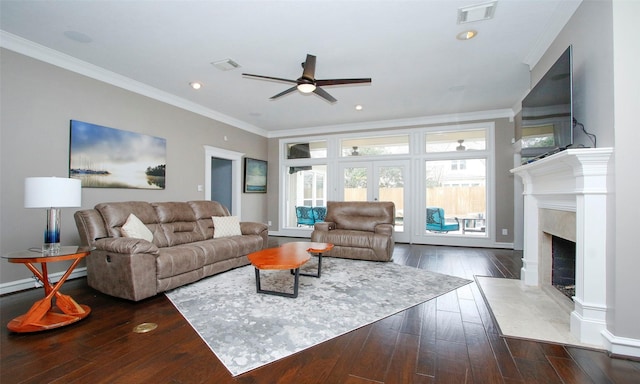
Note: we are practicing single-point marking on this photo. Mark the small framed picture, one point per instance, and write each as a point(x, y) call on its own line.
point(255, 176)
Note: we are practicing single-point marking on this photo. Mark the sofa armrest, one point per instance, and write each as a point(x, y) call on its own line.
point(125, 245)
point(384, 229)
point(252, 228)
point(123, 267)
point(324, 226)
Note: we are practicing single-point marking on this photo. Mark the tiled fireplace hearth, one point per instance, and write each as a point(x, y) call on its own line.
point(566, 195)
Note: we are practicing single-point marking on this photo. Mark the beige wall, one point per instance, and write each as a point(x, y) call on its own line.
point(625, 264)
point(606, 95)
point(37, 102)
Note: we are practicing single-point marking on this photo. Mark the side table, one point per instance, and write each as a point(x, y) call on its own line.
point(41, 316)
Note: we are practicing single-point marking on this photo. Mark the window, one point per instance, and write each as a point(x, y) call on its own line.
point(307, 150)
point(456, 141)
point(458, 165)
point(375, 146)
point(306, 186)
point(458, 188)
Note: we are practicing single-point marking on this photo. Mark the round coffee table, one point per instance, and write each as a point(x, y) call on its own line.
point(288, 256)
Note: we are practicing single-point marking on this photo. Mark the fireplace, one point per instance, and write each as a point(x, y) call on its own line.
point(565, 196)
point(563, 266)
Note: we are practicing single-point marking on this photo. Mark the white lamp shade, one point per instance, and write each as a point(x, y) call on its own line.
point(47, 192)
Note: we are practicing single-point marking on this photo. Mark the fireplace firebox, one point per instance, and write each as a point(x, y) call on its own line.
point(563, 265)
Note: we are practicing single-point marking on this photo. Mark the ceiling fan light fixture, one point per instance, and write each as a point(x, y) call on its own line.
point(306, 87)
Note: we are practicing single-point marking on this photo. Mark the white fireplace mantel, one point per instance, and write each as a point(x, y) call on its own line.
point(574, 180)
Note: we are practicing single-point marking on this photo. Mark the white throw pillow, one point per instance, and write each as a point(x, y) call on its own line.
point(135, 228)
point(224, 226)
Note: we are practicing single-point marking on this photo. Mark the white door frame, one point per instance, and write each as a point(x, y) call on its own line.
point(236, 175)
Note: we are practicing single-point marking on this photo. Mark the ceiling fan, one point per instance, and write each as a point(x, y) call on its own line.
point(307, 83)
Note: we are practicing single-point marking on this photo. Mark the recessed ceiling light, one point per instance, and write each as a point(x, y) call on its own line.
point(466, 35)
point(358, 107)
point(195, 85)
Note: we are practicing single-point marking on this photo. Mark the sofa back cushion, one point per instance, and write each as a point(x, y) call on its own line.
point(360, 215)
point(178, 223)
point(116, 214)
point(203, 211)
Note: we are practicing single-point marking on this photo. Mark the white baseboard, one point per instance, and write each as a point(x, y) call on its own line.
point(621, 346)
point(30, 283)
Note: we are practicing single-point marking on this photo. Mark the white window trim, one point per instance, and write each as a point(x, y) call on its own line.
point(417, 155)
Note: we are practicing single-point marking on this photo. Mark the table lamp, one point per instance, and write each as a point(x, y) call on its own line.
point(52, 193)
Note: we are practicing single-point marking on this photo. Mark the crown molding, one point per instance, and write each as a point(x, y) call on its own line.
point(398, 123)
point(564, 10)
point(39, 52)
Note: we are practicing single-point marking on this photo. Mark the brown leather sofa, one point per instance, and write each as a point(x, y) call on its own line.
point(183, 249)
point(358, 230)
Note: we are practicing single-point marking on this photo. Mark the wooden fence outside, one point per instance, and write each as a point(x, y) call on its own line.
point(456, 201)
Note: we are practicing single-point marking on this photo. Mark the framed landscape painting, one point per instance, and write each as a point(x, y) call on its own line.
point(255, 176)
point(103, 157)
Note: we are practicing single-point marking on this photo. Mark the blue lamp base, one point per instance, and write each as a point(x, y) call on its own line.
point(51, 244)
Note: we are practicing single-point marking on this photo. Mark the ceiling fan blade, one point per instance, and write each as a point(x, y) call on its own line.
point(322, 93)
point(284, 93)
point(309, 67)
point(269, 78)
point(342, 81)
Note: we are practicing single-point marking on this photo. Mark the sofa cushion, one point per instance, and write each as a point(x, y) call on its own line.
point(172, 261)
point(225, 226)
point(204, 210)
point(359, 215)
point(135, 228)
point(116, 214)
point(178, 223)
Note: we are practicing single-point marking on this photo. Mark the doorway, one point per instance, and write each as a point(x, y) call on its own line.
point(222, 181)
point(228, 176)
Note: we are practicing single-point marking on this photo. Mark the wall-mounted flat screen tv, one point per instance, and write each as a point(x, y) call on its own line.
point(547, 111)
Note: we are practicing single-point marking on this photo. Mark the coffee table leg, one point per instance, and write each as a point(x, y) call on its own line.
point(317, 274)
point(296, 273)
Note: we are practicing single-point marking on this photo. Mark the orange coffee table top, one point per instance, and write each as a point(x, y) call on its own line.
point(287, 256)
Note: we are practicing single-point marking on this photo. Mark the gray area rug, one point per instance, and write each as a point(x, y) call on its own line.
point(247, 330)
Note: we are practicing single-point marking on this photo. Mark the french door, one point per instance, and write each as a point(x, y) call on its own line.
point(380, 181)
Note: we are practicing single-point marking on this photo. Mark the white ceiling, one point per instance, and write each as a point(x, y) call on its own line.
point(408, 48)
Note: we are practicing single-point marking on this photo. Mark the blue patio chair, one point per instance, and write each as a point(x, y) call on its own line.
point(436, 221)
point(319, 213)
point(304, 215)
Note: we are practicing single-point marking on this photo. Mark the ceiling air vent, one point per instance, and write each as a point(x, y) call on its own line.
point(226, 65)
point(476, 12)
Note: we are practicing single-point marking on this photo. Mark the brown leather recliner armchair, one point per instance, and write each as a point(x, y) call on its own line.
point(358, 230)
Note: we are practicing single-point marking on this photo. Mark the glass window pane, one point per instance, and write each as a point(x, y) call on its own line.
point(355, 184)
point(305, 189)
point(375, 146)
point(307, 150)
point(455, 141)
point(391, 188)
point(456, 197)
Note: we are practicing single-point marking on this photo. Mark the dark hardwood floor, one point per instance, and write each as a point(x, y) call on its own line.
point(451, 339)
